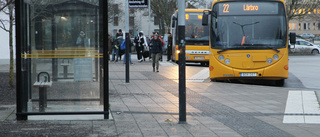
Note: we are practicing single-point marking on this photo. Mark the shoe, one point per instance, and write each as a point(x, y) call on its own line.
point(168, 60)
point(153, 69)
point(116, 61)
point(157, 70)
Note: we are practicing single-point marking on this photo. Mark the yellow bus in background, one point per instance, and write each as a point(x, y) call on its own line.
point(196, 37)
point(248, 40)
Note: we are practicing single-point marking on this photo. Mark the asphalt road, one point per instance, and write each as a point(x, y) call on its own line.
point(305, 70)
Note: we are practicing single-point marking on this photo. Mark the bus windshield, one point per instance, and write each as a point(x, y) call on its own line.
point(249, 25)
point(196, 34)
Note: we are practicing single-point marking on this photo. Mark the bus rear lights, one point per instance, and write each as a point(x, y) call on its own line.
point(269, 60)
point(227, 61)
point(211, 68)
point(286, 67)
point(275, 57)
point(221, 57)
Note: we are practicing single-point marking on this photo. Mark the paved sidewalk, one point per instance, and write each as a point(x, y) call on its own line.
point(148, 106)
point(139, 108)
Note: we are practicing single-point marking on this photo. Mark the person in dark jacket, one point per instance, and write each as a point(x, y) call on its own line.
point(156, 51)
point(169, 49)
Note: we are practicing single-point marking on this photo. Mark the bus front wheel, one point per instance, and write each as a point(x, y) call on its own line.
point(279, 83)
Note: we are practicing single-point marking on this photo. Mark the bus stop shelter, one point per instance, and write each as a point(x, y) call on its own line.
point(61, 68)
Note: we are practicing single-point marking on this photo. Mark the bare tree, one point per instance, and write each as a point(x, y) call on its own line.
point(297, 9)
point(114, 11)
point(7, 7)
point(163, 9)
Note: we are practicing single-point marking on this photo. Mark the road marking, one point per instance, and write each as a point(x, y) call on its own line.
point(302, 102)
point(200, 76)
point(166, 63)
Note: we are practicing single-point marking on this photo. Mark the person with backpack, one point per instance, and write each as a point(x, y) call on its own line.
point(156, 51)
point(118, 44)
point(123, 47)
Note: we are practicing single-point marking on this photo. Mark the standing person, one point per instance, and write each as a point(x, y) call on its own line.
point(169, 47)
point(156, 51)
point(141, 45)
point(120, 51)
point(115, 49)
point(82, 40)
point(123, 47)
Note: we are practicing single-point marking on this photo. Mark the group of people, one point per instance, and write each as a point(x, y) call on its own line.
point(151, 49)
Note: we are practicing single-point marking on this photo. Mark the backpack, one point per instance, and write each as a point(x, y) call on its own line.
point(123, 45)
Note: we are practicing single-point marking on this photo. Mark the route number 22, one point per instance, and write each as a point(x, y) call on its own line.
point(225, 8)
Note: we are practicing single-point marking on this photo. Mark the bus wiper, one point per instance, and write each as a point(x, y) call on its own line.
point(222, 50)
point(273, 48)
point(226, 49)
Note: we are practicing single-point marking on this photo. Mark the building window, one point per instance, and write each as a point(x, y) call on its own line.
point(318, 26)
point(304, 26)
point(156, 20)
point(314, 26)
point(131, 21)
point(115, 21)
point(318, 11)
point(308, 26)
point(292, 26)
point(299, 26)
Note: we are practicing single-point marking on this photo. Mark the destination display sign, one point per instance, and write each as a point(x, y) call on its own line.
point(138, 3)
point(248, 8)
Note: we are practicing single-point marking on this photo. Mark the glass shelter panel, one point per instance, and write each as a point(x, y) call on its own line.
point(63, 57)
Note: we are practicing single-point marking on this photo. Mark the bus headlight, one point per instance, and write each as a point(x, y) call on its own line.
point(275, 57)
point(227, 61)
point(221, 57)
point(178, 51)
point(269, 60)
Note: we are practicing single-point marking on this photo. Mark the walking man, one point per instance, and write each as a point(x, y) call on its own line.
point(156, 51)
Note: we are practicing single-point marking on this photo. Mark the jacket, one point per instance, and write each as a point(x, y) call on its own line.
point(156, 46)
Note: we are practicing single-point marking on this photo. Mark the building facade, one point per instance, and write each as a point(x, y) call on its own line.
point(138, 20)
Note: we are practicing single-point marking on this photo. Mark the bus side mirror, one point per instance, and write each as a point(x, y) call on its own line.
point(292, 37)
point(205, 18)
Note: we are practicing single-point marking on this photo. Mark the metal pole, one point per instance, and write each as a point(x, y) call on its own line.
point(127, 39)
point(182, 62)
point(103, 18)
point(149, 7)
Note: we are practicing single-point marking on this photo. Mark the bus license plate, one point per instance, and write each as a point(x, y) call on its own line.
point(248, 74)
point(198, 57)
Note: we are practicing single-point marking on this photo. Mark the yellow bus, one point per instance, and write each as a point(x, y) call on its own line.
point(196, 37)
point(248, 40)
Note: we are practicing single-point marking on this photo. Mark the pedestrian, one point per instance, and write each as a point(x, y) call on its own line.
point(82, 40)
point(115, 49)
point(119, 42)
point(141, 45)
point(169, 47)
point(123, 47)
point(156, 51)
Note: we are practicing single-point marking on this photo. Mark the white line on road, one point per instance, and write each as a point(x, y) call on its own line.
point(167, 63)
point(200, 76)
point(302, 102)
